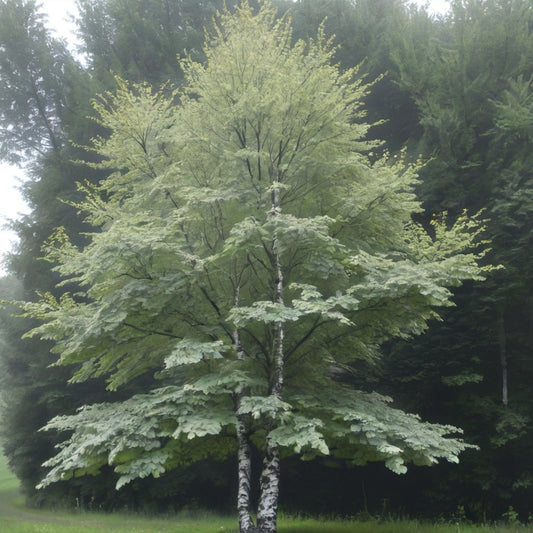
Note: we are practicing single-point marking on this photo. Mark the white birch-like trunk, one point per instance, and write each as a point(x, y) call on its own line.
point(244, 456)
point(267, 511)
point(246, 524)
point(279, 336)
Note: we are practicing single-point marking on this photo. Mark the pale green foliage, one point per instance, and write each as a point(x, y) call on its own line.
point(149, 433)
point(262, 160)
point(189, 351)
point(365, 428)
point(141, 436)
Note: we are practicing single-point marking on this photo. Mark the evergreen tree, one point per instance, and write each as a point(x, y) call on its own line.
point(31, 74)
point(39, 82)
point(140, 39)
point(469, 78)
point(364, 34)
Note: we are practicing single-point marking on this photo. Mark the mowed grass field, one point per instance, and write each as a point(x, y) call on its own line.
point(15, 518)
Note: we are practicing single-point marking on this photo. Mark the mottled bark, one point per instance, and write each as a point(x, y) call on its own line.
point(279, 334)
point(279, 337)
point(246, 524)
point(244, 460)
point(267, 511)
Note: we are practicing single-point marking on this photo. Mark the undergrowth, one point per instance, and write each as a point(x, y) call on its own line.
point(15, 518)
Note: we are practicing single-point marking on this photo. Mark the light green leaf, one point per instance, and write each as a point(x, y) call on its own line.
point(189, 351)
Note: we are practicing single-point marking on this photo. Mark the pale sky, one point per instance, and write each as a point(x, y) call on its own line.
point(12, 205)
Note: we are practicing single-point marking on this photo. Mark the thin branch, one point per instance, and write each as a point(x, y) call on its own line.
point(257, 341)
point(317, 324)
point(151, 331)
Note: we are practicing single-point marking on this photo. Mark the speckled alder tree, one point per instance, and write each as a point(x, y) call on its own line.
point(247, 249)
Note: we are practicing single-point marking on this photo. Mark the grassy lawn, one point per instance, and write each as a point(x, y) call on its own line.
point(15, 518)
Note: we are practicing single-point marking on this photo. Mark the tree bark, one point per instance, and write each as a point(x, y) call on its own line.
point(244, 460)
point(267, 511)
point(279, 335)
point(246, 524)
point(502, 341)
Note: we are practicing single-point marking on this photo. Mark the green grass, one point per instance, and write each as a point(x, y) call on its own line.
point(15, 518)
point(7, 480)
point(99, 523)
point(401, 526)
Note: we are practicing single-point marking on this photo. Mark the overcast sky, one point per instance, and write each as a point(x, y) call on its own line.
point(11, 204)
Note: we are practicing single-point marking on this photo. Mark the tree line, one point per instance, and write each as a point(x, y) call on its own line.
point(454, 92)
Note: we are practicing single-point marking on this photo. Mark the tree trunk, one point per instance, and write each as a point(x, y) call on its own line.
point(244, 460)
point(246, 524)
point(267, 511)
point(503, 358)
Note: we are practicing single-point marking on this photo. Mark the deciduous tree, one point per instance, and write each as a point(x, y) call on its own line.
point(248, 245)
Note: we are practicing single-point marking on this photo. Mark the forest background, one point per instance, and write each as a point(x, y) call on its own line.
point(456, 90)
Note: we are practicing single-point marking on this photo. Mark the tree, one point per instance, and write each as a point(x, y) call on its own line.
point(248, 245)
point(139, 39)
point(39, 82)
point(42, 84)
point(364, 32)
point(32, 67)
point(34, 63)
point(471, 86)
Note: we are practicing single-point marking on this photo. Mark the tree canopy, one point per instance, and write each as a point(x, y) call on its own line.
point(248, 245)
